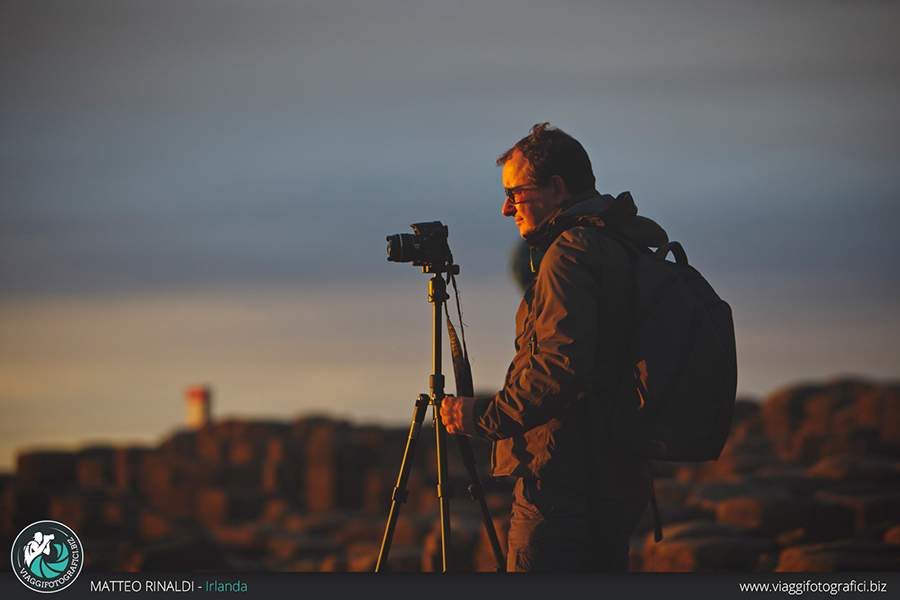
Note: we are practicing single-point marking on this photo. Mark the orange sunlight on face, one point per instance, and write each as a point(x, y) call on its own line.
point(531, 204)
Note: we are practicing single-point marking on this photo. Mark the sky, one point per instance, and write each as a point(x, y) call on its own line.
point(199, 191)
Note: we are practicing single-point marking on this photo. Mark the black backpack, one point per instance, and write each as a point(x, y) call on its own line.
point(683, 355)
point(684, 363)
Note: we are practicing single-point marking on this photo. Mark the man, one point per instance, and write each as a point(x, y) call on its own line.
point(39, 545)
point(578, 496)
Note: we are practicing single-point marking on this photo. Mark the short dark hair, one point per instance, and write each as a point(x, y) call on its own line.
point(550, 151)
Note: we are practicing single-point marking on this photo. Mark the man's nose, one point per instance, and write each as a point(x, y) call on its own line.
point(509, 209)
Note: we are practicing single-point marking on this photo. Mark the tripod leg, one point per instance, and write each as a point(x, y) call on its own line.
point(476, 490)
point(400, 493)
point(443, 487)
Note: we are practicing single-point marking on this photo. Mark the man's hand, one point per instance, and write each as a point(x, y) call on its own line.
point(456, 414)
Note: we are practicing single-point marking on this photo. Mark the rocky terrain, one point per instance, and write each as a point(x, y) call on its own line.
point(809, 481)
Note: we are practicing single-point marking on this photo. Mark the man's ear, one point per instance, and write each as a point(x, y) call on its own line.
point(559, 188)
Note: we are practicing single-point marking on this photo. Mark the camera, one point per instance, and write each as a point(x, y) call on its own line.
point(426, 248)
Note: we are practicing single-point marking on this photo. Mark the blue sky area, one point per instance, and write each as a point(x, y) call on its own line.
point(199, 190)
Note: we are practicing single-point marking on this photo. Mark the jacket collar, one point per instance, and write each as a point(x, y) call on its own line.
point(539, 235)
point(598, 210)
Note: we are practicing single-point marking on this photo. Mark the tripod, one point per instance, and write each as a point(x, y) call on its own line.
point(437, 295)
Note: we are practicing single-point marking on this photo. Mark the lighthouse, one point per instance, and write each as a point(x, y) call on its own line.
point(198, 406)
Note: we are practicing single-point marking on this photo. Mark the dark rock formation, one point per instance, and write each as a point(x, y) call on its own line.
point(809, 481)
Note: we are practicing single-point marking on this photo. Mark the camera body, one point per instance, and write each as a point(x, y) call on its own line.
point(427, 247)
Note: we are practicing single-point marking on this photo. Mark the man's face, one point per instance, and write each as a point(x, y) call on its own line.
point(532, 202)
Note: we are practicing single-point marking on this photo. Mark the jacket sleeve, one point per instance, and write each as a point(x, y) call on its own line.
point(565, 312)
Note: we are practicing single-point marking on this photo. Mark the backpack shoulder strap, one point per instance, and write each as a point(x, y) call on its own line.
point(676, 250)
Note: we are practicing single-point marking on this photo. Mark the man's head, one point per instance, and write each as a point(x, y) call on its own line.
point(543, 170)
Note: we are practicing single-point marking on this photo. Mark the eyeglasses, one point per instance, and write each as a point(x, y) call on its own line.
point(511, 192)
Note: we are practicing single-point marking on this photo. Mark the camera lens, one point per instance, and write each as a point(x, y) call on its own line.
point(401, 247)
point(393, 247)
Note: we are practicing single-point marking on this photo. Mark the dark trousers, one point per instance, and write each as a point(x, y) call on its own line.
point(555, 529)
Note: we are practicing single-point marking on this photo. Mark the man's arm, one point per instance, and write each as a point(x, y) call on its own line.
point(45, 545)
point(565, 310)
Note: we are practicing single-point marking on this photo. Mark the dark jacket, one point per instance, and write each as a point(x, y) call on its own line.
point(570, 364)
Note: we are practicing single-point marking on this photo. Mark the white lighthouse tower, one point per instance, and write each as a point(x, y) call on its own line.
point(198, 406)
